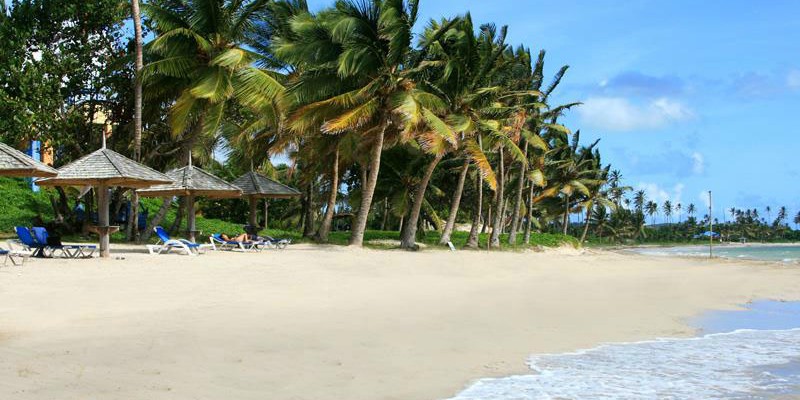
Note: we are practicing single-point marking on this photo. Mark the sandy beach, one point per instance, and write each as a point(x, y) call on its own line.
point(335, 323)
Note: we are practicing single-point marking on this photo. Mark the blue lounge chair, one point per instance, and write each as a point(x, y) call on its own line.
point(67, 250)
point(218, 243)
point(165, 244)
point(27, 241)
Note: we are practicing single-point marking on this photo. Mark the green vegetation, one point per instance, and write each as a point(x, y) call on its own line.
point(19, 205)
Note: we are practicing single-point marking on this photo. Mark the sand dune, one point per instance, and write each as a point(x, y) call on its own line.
point(333, 323)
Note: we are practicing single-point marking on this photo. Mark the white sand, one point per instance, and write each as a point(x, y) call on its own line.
point(334, 323)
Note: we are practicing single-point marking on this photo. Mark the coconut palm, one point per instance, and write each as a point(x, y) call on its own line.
point(463, 65)
point(690, 210)
point(652, 210)
point(667, 208)
point(797, 220)
point(639, 200)
point(200, 55)
point(355, 78)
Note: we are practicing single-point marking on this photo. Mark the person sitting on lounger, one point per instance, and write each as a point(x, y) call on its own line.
point(240, 238)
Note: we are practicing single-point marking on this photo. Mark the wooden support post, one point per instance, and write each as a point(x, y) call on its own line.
point(102, 219)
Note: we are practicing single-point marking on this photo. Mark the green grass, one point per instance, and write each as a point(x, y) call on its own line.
point(459, 239)
point(19, 206)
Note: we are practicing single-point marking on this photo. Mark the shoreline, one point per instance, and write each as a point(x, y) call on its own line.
point(327, 322)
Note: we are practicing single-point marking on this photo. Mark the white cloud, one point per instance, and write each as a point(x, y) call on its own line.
point(703, 196)
point(793, 79)
point(658, 194)
point(698, 163)
point(620, 114)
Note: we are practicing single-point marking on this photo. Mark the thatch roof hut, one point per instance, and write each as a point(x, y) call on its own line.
point(102, 169)
point(256, 186)
point(18, 164)
point(192, 182)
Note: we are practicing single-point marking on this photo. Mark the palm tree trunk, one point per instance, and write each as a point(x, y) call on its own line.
point(586, 223)
point(385, 213)
point(132, 231)
point(308, 224)
point(266, 213)
point(368, 190)
point(500, 197)
point(529, 220)
point(472, 242)
point(488, 217)
point(451, 218)
point(566, 214)
point(409, 233)
point(162, 212)
point(512, 235)
point(325, 227)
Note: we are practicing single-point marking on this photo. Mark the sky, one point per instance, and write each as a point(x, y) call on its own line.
point(685, 96)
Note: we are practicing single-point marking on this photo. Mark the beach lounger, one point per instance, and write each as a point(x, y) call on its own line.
point(166, 244)
point(275, 243)
point(66, 250)
point(218, 243)
point(13, 254)
point(29, 243)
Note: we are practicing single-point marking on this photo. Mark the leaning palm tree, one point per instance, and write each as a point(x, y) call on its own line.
point(199, 54)
point(462, 66)
point(652, 210)
point(354, 79)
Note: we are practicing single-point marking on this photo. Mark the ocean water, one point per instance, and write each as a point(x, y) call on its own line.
point(752, 354)
point(781, 253)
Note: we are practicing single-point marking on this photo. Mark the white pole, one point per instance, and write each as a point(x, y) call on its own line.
point(710, 228)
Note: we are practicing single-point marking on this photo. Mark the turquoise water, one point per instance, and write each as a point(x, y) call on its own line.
point(752, 354)
point(780, 253)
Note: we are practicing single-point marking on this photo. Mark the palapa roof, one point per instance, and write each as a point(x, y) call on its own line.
point(257, 185)
point(105, 167)
point(194, 181)
point(16, 163)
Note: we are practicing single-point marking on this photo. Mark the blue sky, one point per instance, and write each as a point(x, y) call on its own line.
point(687, 96)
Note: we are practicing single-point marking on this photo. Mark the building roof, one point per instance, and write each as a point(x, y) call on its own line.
point(193, 181)
point(257, 185)
point(105, 167)
point(16, 163)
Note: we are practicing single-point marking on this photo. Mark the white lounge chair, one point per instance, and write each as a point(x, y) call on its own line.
point(167, 244)
point(13, 253)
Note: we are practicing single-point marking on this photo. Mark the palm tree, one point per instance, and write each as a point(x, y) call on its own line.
point(797, 220)
point(355, 79)
point(652, 210)
point(667, 208)
point(574, 172)
point(781, 216)
point(768, 209)
point(639, 200)
point(132, 229)
point(690, 209)
point(679, 210)
point(200, 54)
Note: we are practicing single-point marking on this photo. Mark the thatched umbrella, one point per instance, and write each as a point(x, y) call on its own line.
point(192, 182)
point(104, 169)
point(16, 163)
point(256, 186)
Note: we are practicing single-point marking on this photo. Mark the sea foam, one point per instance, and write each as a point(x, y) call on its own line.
point(733, 365)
